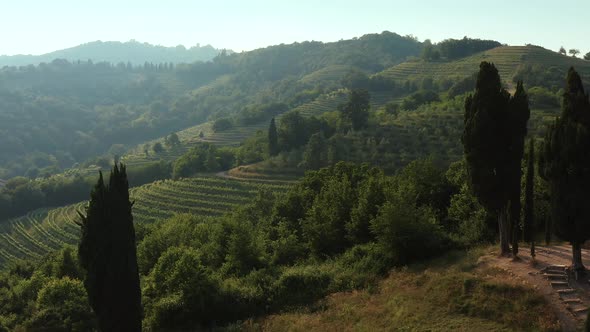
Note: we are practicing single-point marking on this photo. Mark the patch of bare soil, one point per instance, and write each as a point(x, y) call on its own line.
point(551, 276)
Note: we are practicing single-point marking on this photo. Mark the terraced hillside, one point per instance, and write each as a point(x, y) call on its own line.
point(45, 230)
point(328, 75)
point(506, 58)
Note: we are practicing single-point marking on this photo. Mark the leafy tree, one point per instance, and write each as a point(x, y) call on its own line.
point(273, 138)
point(587, 56)
point(564, 164)
point(62, 305)
point(172, 140)
point(529, 210)
point(315, 154)
point(573, 52)
point(562, 50)
point(356, 110)
point(158, 148)
point(292, 131)
point(495, 126)
point(222, 124)
point(107, 253)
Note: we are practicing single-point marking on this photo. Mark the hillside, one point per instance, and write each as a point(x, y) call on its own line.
point(43, 231)
point(132, 52)
point(106, 104)
point(456, 292)
point(508, 59)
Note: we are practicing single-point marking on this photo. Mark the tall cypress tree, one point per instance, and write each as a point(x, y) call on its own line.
point(518, 117)
point(107, 252)
point(529, 209)
point(493, 142)
point(273, 138)
point(565, 164)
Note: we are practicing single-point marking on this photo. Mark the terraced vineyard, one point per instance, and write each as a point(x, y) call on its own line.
point(506, 58)
point(45, 230)
point(327, 75)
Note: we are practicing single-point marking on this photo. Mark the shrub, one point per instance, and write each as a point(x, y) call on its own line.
point(300, 285)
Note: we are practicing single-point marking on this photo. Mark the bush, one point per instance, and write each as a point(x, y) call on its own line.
point(406, 233)
point(222, 124)
point(300, 285)
point(181, 293)
point(62, 304)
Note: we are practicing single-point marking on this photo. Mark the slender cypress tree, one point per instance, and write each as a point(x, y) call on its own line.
point(529, 209)
point(565, 164)
point(107, 252)
point(518, 117)
point(273, 138)
point(493, 142)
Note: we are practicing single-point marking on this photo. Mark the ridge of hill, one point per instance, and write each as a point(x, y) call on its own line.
point(508, 59)
point(132, 52)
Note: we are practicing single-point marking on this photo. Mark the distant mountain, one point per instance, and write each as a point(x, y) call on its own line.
point(115, 52)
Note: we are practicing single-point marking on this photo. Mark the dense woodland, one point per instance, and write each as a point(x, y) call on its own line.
point(375, 190)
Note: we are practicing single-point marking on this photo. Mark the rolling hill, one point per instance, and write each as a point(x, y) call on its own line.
point(132, 52)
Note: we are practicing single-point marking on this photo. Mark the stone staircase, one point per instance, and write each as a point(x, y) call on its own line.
point(558, 277)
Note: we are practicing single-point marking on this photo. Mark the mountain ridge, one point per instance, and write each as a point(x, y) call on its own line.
point(131, 51)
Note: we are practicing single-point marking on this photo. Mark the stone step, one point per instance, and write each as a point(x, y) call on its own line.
point(566, 291)
point(555, 268)
point(580, 310)
point(576, 300)
point(555, 276)
point(559, 283)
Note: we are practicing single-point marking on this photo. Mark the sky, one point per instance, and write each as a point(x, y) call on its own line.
point(42, 26)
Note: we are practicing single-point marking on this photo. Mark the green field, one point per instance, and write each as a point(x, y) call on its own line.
point(45, 230)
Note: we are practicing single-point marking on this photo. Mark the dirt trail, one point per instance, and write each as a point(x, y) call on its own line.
point(552, 278)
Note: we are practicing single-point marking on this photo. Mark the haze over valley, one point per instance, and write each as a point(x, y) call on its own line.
point(278, 175)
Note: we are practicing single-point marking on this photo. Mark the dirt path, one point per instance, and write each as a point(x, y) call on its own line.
point(551, 277)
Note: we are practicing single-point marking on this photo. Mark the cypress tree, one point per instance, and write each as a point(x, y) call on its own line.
point(565, 164)
point(518, 117)
point(529, 209)
point(493, 142)
point(107, 252)
point(273, 138)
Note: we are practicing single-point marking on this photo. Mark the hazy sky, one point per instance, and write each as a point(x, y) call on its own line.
point(41, 26)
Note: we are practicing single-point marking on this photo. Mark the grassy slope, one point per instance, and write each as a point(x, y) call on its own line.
point(506, 58)
point(451, 293)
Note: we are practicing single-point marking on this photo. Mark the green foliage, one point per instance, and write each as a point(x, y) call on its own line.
point(62, 304)
point(300, 285)
point(356, 110)
point(418, 98)
point(273, 138)
point(543, 98)
point(158, 148)
point(172, 140)
point(315, 154)
point(529, 208)
point(406, 232)
point(222, 124)
point(459, 48)
point(184, 292)
point(493, 141)
point(564, 164)
point(107, 253)
point(203, 158)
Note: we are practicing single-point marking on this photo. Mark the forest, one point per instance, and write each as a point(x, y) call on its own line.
point(212, 195)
